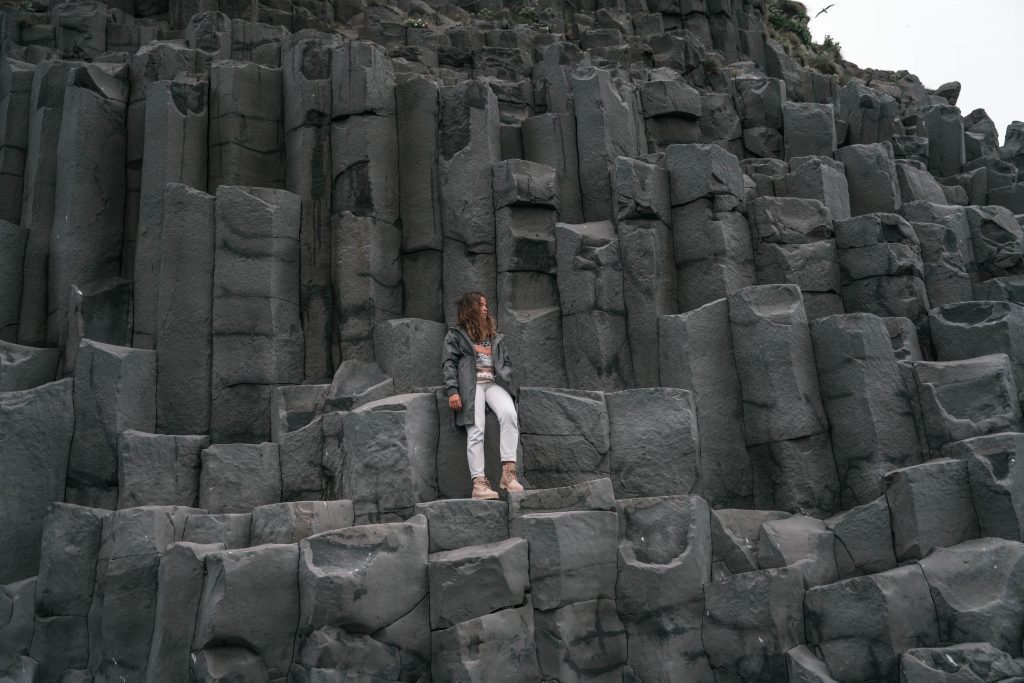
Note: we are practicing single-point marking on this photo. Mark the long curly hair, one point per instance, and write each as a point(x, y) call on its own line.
point(478, 326)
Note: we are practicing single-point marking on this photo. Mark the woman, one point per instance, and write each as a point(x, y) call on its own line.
point(478, 373)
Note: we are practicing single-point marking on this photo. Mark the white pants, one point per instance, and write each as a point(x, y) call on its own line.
point(508, 424)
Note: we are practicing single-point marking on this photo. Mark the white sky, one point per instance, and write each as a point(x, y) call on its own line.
point(979, 43)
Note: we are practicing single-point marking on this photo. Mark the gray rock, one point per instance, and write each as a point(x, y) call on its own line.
point(862, 625)
point(363, 578)
point(735, 538)
point(903, 336)
point(649, 290)
point(158, 469)
point(713, 252)
point(407, 349)
point(977, 593)
point(871, 175)
point(696, 353)
point(1010, 197)
point(357, 383)
point(88, 209)
point(759, 101)
point(476, 580)
point(969, 661)
point(221, 664)
point(789, 220)
point(185, 311)
point(455, 524)
point(751, 620)
point(13, 239)
point(180, 578)
point(945, 131)
point(664, 561)
point(967, 330)
point(306, 83)
point(580, 641)
point(533, 336)
point(292, 522)
point(550, 139)
point(719, 122)
point(389, 457)
point(818, 179)
point(702, 171)
point(606, 126)
point(994, 472)
point(809, 129)
point(114, 391)
point(870, 115)
point(257, 329)
point(46, 112)
point(871, 420)
point(931, 507)
point(227, 612)
point(363, 80)
point(1001, 289)
point(232, 530)
point(239, 477)
point(26, 367)
point(17, 604)
point(863, 539)
point(246, 126)
point(36, 431)
point(498, 647)
point(99, 311)
point(364, 151)
point(641, 190)
point(572, 556)
point(302, 463)
point(331, 650)
point(804, 667)
point(367, 280)
point(67, 561)
point(15, 100)
point(595, 494)
point(945, 275)
point(797, 475)
point(966, 398)
point(997, 239)
point(802, 542)
point(176, 120)
point(524, 183)
point(418, 107)
point(654, 444)
point(916, 184)
point(60, 643)
point(772, 345)
point(565, 435)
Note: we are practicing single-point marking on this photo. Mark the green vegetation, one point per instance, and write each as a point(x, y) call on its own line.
point(787, 16)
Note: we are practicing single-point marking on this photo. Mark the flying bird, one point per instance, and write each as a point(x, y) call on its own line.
point(824, 10)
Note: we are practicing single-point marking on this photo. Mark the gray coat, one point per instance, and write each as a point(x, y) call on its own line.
point(458, 365)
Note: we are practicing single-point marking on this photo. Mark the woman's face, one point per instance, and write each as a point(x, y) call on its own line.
point(483, 307)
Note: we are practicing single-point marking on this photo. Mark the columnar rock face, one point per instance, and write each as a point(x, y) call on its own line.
point(764, 332)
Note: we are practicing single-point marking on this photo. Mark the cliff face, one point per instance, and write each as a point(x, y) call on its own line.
point(766, 326)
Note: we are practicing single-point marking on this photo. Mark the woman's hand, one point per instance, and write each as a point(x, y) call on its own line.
point(455, 402)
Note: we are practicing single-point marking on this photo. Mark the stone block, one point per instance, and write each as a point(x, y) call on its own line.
point(931, 507)
point(594, 494)
point(13, 239)
point(572, 556)
point(670, 97)
point(525, 237)
point(944, 129)
point(993, 468)
point(357, 383)
point(802, 542)
point(966, 398)
point(702, 171)
point(809, 129)
point(364, 158)
point(862, 625)
point(735, 538)
point(219, 663)
point(580, 641)
point(67, 561)
point(945, 274)
point(36, 432)
point(158, 469)
point(17, 605)
point(246, 134)
point(871, 176)
point(641, 190)
point(524, 183)
point(751, 620)
point(498, 646)
point(713, 253)
point(970, 329)
point(363, 578)
point(997, 239)
point(977, 661)
point(185, 311)
point(227, 612)
point(976, 589)
point(772, 345)
point(664, 561)
point(362, 80)
point(302, 463)
point(557, 423)
point(550, 139)
point(389, 457)
point(819, 179)
point(417, 114)
point(917, 184)
point(696, 353)
point(292, 522)
point(863, 539)
point(458, 523)
point(26, 367)
point(798, 475)
point(232, 530)
point(60, 643)
point(903, 337)
point(870, 116)
point(477, 580)
point(239, 477)
point(654, 442)
point(406, 349)
point(331, 650)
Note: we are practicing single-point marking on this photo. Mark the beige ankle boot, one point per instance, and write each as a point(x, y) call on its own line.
point(482, 489)
point(508, 478)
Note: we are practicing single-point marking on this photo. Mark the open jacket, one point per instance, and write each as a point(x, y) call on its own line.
point(458, 365)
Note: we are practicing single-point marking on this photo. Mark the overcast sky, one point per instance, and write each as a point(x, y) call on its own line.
point(979, 43)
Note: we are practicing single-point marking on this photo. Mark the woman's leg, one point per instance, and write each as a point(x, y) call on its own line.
point(475, 434)
point(508, 422)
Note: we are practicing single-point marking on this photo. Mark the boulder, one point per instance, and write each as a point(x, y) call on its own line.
point(476, 580)
point(158, 469)
point(498, 647)
point(454, 524)
point(556, 423)
point(802, 542)
point(238, 477)
point(863, 537)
